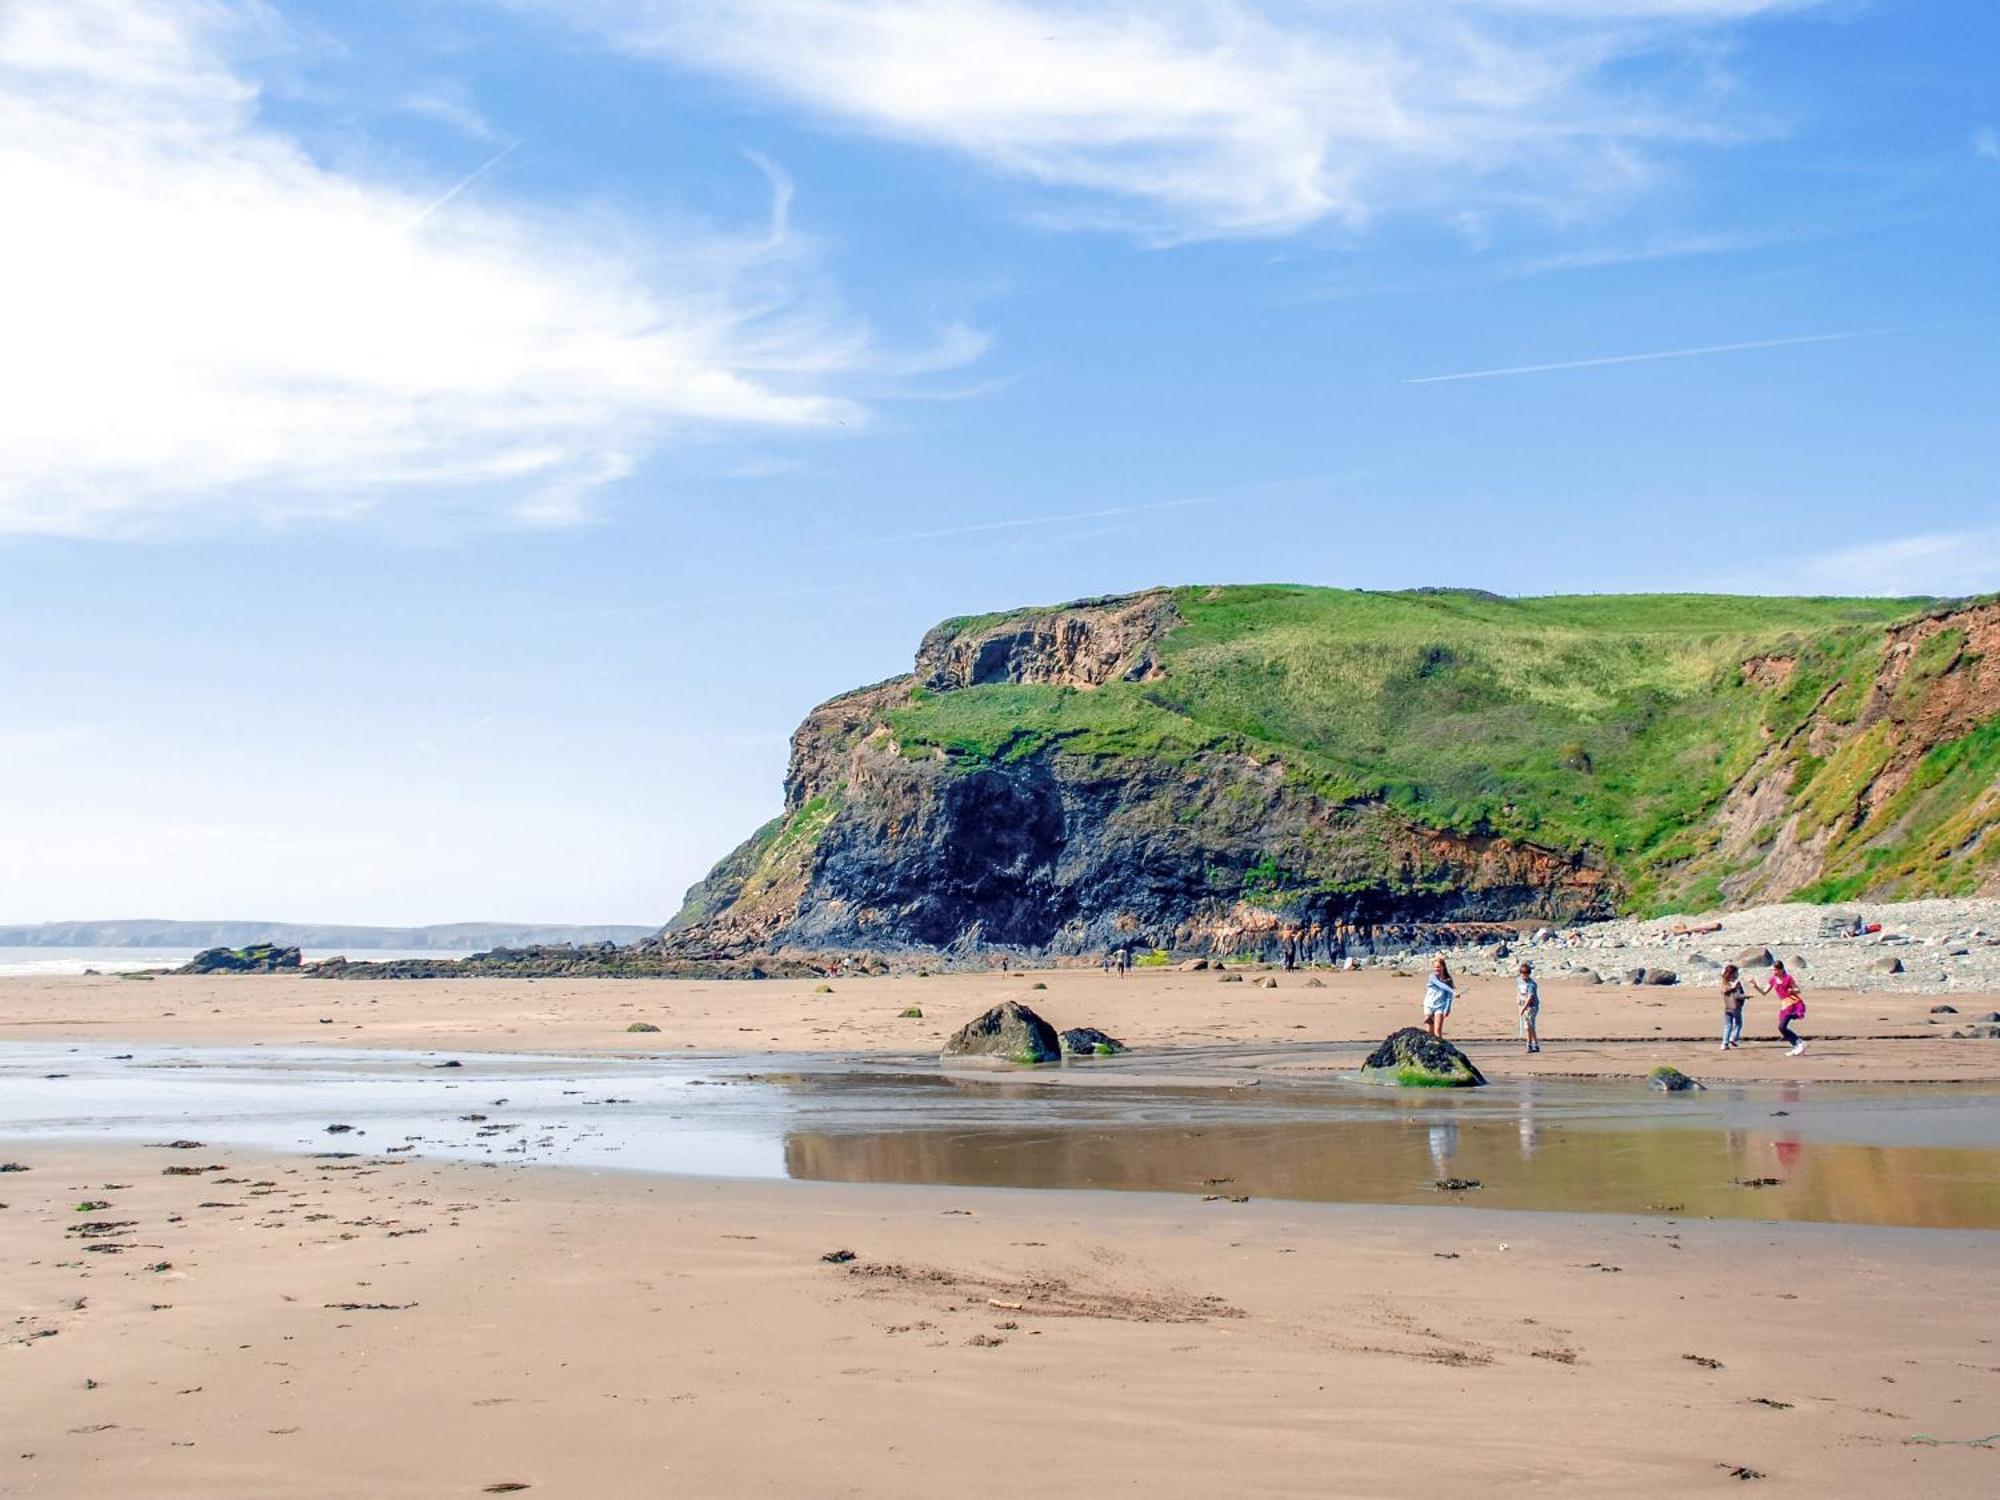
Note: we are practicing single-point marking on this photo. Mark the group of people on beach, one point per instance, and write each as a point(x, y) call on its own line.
point(1441, 990)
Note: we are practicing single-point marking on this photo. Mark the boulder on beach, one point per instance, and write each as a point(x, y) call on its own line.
point(257, 958)
point(1753, 958)
point(1192, 965)
point(1672, 1081)
point(1414, 1059)
point(1088, 1041)
point(1660, 976)
point(1010, 1030)
point(1944, 1010)
point(1891, 965)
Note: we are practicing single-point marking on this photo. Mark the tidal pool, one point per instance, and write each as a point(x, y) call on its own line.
point(1915, 1155)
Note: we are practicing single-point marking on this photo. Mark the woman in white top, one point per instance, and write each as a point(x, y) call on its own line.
point(1438, 995)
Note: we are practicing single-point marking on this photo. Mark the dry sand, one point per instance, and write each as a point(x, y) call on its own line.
point(614, 1335)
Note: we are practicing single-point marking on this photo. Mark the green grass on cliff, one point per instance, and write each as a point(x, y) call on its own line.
point(1612, 722)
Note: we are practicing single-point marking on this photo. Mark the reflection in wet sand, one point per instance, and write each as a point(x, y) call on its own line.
point(1517, 1164)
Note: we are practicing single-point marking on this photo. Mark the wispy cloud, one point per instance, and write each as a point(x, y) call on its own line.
point(1944, 563)
point(1986, 142)
point(1229, 117)
point(449, 105)
point(1633, 359)
point(202, 321)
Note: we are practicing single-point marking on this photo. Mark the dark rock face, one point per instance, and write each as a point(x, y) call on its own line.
point(1072, 854)
point(1651, 976)
point(1413, 1058)
point(258, 958)
point(1671, 1081)
point(1088, 1041)
point(1009, 1030)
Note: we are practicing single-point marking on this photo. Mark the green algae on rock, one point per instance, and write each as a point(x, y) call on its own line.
point(1414, 1059)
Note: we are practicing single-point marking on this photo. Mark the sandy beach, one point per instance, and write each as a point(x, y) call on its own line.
point(256, 1324)
point(1590, 1029)
point(398, 1328)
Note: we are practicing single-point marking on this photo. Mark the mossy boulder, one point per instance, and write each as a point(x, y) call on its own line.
point(1672, 1081)
point(1414, 1059)
point(1011, 1031)
point(638, 1026)
point(1088, 1041)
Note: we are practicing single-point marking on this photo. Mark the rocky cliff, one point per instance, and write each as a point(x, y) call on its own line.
point(1215, 770)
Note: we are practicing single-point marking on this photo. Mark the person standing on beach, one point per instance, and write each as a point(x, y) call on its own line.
point(1438, 995)
point(1529, 993)
point(1733, 998)
point(1786, 988)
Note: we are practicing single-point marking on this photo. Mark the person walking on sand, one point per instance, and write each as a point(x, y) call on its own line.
point(1438, 995)
point(1786, 988)
point(1529, 993)
point(1733, 998)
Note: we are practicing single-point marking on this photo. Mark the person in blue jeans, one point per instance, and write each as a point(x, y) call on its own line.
point(1733, 997)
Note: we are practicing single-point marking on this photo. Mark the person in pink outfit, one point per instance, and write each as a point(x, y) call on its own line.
point(1792, 1004)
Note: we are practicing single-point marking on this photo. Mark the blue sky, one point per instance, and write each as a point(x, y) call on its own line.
point(450, 443)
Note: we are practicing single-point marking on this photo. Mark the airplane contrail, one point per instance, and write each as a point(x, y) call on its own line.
point(1020, 521)
point(1633, 359)
point(461, 185)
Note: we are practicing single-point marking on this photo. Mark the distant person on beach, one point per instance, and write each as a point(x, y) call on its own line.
point(1438, 995)
point(1786, 988)
point(1733, 998)
point(1529, 993)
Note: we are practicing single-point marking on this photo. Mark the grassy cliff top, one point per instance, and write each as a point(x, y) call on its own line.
point(1614, 722)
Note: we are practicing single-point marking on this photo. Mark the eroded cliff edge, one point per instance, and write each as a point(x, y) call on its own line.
point(1210, 770)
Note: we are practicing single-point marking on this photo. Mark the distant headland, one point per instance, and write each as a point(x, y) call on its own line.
point(445, 937)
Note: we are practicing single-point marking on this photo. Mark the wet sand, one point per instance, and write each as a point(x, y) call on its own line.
point(407, 1328)
point(1587, 1029)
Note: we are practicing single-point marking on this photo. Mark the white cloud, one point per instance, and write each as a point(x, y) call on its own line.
point(1986, 142)
point(1948, 564)
point(1202, 117)
point(202, 321)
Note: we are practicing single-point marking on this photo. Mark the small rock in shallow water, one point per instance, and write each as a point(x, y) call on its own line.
point(1088, 1041)
point(1671, 1081)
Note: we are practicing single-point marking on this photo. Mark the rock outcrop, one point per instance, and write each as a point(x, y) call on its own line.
point(1414, 1059)
point(258, 958)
